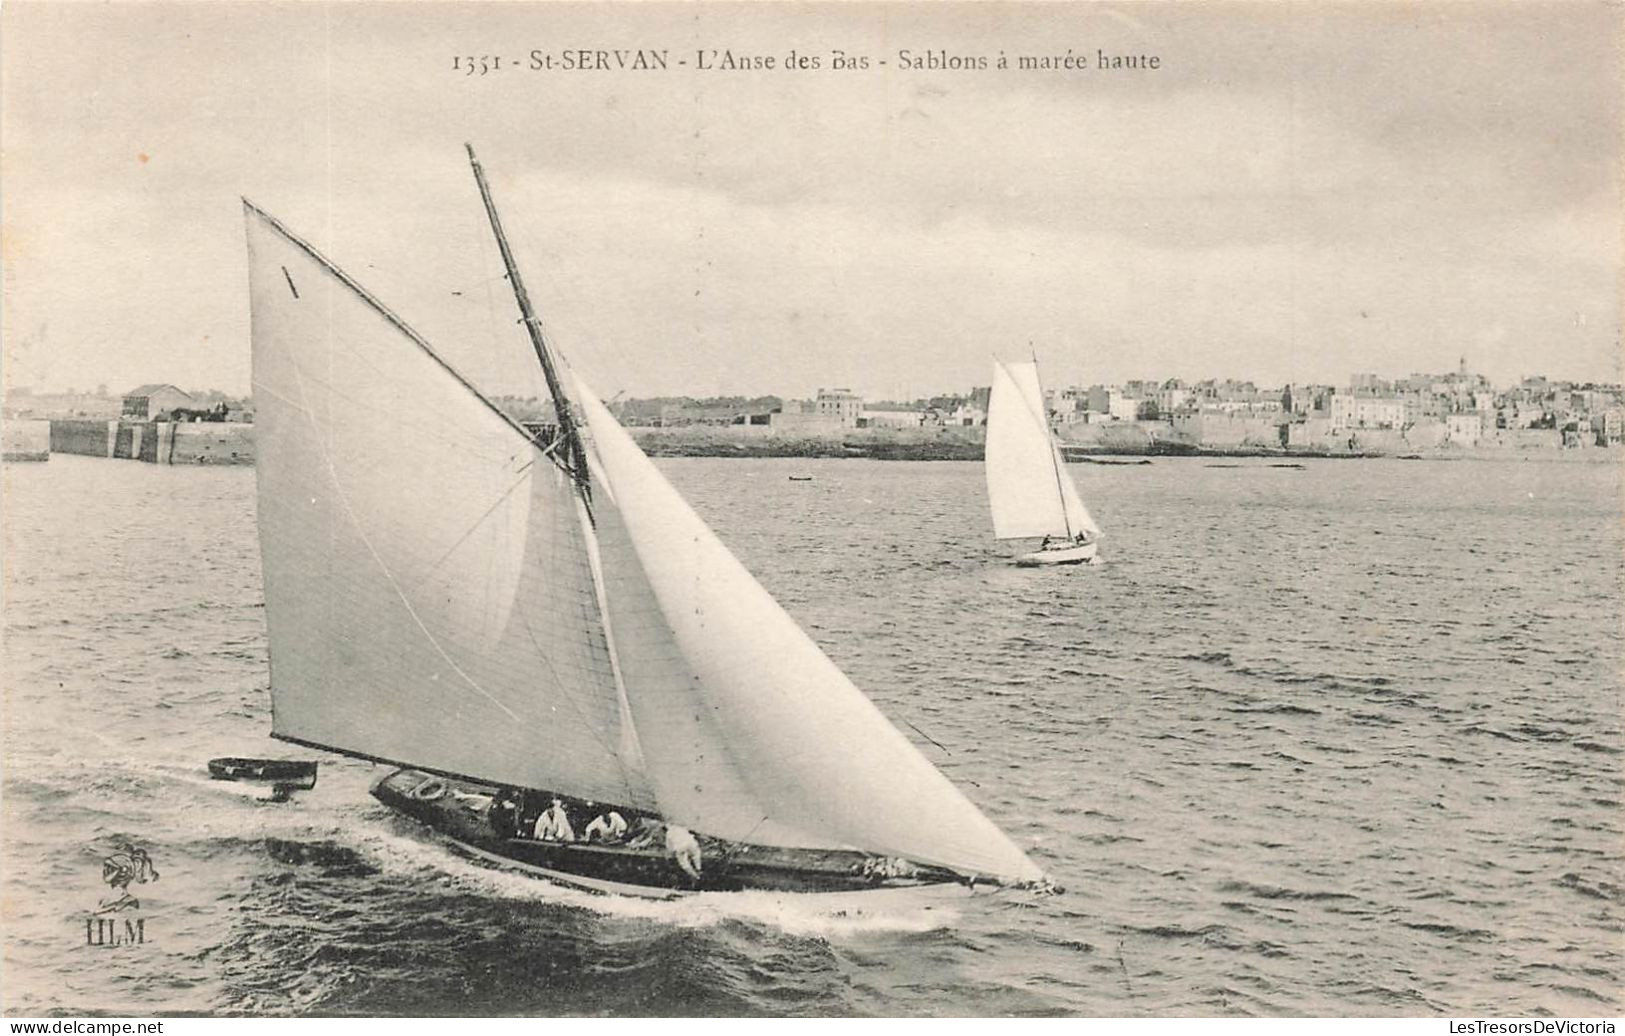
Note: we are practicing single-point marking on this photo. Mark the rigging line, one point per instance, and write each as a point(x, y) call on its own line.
point(735, 847)
point(929, 738)
point(338, 493)
point(550, 452)
point(558, 440)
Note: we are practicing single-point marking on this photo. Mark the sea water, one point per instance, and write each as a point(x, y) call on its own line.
point(1341, 738)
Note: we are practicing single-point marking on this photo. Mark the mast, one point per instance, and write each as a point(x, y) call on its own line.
point(1054, 451)
point(577, 458)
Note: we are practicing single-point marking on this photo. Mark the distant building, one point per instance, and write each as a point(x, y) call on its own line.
point(1172, 396)
point(1348, 411)
point(839, 403)
point(1302, 399)
point(888, 417)
point(796, 421)
point(148, 401)
point(1111, 401)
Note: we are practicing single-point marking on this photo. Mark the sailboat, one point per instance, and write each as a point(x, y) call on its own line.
point(1028, 489)
point(534, 626)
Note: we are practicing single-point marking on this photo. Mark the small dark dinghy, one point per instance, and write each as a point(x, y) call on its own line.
point(298, 774)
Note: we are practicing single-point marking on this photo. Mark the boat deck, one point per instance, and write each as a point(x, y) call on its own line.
point(461, 810)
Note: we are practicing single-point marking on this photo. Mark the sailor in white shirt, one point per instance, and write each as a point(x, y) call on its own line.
point(606, 827)
point(681, 844)
point(554, 824)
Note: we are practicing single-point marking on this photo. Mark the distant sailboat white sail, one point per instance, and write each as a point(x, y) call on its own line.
point(1028, 488)
point(502, 614)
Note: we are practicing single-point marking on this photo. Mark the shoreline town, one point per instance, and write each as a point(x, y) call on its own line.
point(1459, 414)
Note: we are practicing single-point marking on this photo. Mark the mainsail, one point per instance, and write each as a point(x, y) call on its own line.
point(439, 595)
point(429, 594)
point(1027, 485)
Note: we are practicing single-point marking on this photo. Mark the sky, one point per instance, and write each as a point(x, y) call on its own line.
point(1298, 192)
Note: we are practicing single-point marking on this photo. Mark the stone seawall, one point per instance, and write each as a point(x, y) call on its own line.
point(230, 443)
point(158, 442)
point(212, 443)
point(88, 438)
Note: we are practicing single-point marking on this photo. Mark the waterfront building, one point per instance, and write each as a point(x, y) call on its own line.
point(1349, 411)
point(839, 403)
point(148, 401)
point(1171, 396)
point(804, 422)
point(1112, 402)
point(891, 417)
point(1301, 399)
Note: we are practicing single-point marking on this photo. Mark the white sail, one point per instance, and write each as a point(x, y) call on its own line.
point(690, 766)
point(429, 592)
point(1078, 518)
point(749, 731)
point(1028, 487)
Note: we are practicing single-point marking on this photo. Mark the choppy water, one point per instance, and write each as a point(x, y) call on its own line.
point(1342, 740)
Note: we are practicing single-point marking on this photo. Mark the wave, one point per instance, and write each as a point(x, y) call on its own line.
point(1279, 892)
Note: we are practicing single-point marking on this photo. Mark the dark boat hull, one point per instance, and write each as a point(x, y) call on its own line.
point(297, 773)
point(460, 810)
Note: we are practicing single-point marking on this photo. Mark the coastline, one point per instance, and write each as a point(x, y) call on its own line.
point(233, 444)
point(666, 444)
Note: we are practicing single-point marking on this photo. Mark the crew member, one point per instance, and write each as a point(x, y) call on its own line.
point(605, 827)
point(504, 815)
point(554, 824)
point(681, 844)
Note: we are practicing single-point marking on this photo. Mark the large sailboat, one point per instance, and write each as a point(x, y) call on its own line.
point(576, 676)
point(1028, 488)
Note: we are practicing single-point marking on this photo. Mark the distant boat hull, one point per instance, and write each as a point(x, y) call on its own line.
point(460, 810)
point(1079, 554)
